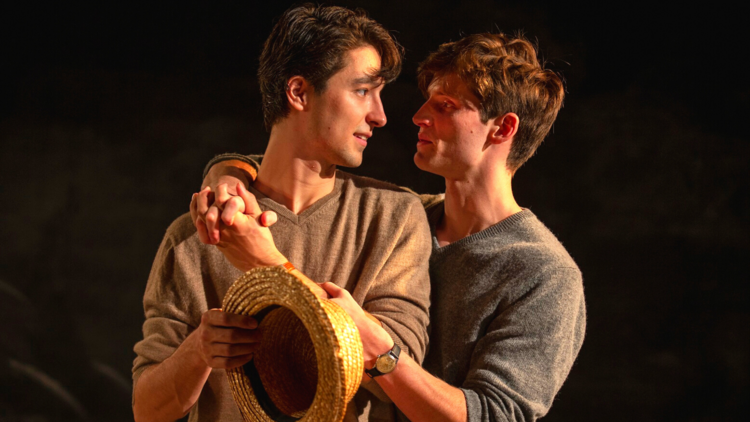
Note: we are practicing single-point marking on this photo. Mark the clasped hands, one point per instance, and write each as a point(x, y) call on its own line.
point(236, 225)
point(232, 220)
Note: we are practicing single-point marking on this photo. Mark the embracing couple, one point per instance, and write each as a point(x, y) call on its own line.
point(499, 296)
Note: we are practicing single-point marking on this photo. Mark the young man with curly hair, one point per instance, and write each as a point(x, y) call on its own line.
point(508, 313)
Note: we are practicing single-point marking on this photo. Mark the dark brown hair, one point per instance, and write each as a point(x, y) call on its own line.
point(504, 73)
point(312, 42)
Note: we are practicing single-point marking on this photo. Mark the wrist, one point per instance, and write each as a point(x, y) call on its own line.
point(278, 259)
point(375, 340)
point(191, 356)
point(385, 363)
point(271, 260)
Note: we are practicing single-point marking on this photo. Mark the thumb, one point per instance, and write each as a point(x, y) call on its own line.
point(251, 204)
point(268, 218)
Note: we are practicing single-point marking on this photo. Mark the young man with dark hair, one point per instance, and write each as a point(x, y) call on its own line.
point(321, 74)
point(313, 43)
point(508, 313)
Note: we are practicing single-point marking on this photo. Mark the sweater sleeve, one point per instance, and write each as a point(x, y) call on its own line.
point(400, 296)
point(170, 303)
point(253, 160)
point(528, 350)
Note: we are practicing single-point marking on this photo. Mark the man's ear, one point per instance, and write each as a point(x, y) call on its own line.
point(504, 128)
point(298, 92)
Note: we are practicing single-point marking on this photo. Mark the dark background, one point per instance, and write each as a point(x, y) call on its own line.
point(108, 113)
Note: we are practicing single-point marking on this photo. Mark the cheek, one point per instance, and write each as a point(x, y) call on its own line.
point(335, 105)
point(449, 132)
point(463, 127)
point(341, 114)
point(463, 141)
point(327, 115)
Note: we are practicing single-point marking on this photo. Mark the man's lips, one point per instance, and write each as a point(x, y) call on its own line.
point(362, 138)
point(423, 141)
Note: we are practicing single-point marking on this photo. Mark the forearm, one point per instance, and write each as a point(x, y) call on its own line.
point(421, 396)
point(167, 391)
point(400, 297)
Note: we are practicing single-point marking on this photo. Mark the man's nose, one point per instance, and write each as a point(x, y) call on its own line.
point(421, 117)
point(376, 117)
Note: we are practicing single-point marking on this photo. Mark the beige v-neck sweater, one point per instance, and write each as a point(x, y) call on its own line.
point(370, 237)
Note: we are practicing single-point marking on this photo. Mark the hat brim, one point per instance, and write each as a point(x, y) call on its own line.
point(334, 336)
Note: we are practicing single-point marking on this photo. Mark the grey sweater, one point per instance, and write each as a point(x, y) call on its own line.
point(507, 317)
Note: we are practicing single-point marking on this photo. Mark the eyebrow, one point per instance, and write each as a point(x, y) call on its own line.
point(437, 87)
point(443, 93)
point(369, 79)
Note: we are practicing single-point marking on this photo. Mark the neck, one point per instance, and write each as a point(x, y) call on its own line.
point(475, 203)
point(291, 177)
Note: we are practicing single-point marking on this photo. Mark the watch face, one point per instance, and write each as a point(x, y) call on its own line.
point(386, 363)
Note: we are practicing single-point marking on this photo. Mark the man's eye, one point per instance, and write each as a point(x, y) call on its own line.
point(363, 91)
point(446, 104)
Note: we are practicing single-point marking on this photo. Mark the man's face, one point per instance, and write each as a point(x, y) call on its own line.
point(452, 135)
point(346, 112)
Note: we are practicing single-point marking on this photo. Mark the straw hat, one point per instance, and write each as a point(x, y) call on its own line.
point(310, 361)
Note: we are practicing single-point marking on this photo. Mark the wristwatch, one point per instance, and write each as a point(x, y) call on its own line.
point(385, 363)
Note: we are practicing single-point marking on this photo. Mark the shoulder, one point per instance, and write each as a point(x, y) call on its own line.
point(520, 253)
point(190, 268)
point(182, 242)
point(181, 230)
point(526, 236)
point(377, 190)
point(395, 212)
point(548, 263)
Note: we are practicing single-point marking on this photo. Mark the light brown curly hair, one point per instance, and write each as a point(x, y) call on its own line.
point(506, 76)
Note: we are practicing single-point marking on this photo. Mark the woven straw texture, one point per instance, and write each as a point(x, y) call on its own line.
point(310, 361)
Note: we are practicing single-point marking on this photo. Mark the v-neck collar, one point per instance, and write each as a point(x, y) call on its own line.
point(438, 212)
point(299, 219)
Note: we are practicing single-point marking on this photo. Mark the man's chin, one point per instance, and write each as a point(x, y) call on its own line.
point(350, 162)
point(422, 162)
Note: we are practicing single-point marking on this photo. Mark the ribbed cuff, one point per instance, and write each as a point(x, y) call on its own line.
point(225, 157)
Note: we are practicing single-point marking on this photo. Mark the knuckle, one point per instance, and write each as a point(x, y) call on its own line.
point(205, 337)
point(237, 336)
point(226, 349)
